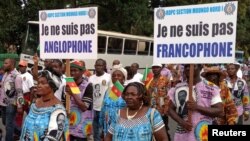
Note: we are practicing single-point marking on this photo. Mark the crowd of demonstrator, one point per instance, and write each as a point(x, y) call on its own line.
point(119, 103)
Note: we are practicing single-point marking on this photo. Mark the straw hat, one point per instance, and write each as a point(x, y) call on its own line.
point(214, 69)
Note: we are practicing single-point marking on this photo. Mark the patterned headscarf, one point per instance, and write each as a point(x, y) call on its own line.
point(53, 80)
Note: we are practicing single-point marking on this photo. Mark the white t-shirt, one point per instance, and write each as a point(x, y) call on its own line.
point(134, 79)
point(100, 86)
point(61, 90)
point(138, 76)
point(216, 99)
point(239, 73)
point(28, 82)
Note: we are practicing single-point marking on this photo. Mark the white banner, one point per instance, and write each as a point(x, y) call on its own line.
point(195, 34)
point(68, 33)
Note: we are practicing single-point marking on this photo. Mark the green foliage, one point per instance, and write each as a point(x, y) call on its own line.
point(14, 15)
point(12, 23)
point(127, 16)
point(243, 27)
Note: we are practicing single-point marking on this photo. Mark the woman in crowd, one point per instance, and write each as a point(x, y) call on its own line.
point(47, 119)
point(111, 104)
point(136, 122)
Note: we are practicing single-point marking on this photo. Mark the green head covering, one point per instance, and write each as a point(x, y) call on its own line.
point(77, 64)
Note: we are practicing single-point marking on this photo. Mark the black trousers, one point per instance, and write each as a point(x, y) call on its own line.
point(165, 120)
point(240, 120)
point(72, 138)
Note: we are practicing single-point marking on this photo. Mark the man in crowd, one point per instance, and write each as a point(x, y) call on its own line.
point(11, 98)
point(102, 79)
point(158, 89)
point(216, 76)
point(1, 73)
point(116, 62)
point(57, 67)
point(136, 75)
point(27, 84)
point(80, 105)
point(239, 91)
point(205, 105)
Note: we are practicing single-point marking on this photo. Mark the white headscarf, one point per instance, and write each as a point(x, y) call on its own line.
point(120, 68)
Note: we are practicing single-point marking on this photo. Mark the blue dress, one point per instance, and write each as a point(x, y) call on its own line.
point(109, 110)
point(42, 124)
point(138, 129)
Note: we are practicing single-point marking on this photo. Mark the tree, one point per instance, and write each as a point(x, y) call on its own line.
point(243, 27)
point(14, 15)
point(11, 25)
point(127, 16)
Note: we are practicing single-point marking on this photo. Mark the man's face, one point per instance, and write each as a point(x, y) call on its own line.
point(7, 65)
point(99, 67)
point(231, 69)
point(116, 62)
point(97, 88)
point(60, 122)
point(57, 68)
point(187, 70)
point(22, 69)
point(156, 70)
point(213, 77)
point(134, 68)
point(47, 63)
point(240, 85)
point(76, 73)
point(182, 97)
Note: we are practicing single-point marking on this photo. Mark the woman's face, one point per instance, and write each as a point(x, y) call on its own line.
point(43, 87)
point(118, 75)
point(131, 96)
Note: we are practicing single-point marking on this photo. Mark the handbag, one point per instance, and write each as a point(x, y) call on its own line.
point(152, 121)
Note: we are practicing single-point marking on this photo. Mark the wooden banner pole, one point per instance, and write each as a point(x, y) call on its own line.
point(67, 95)
point(190, 96)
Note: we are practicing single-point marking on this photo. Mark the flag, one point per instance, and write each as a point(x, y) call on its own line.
point(72, 85)
point(147, 77)
point(116, 91)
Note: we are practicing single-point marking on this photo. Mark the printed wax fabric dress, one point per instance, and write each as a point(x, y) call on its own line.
point(138, 129)
point(109, 110)
point(45, 124)
point(204, 94)
point(231, 114)
point(240, 93)
point(81, 122)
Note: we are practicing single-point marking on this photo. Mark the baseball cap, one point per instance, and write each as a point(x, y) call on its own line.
point(156, 65)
